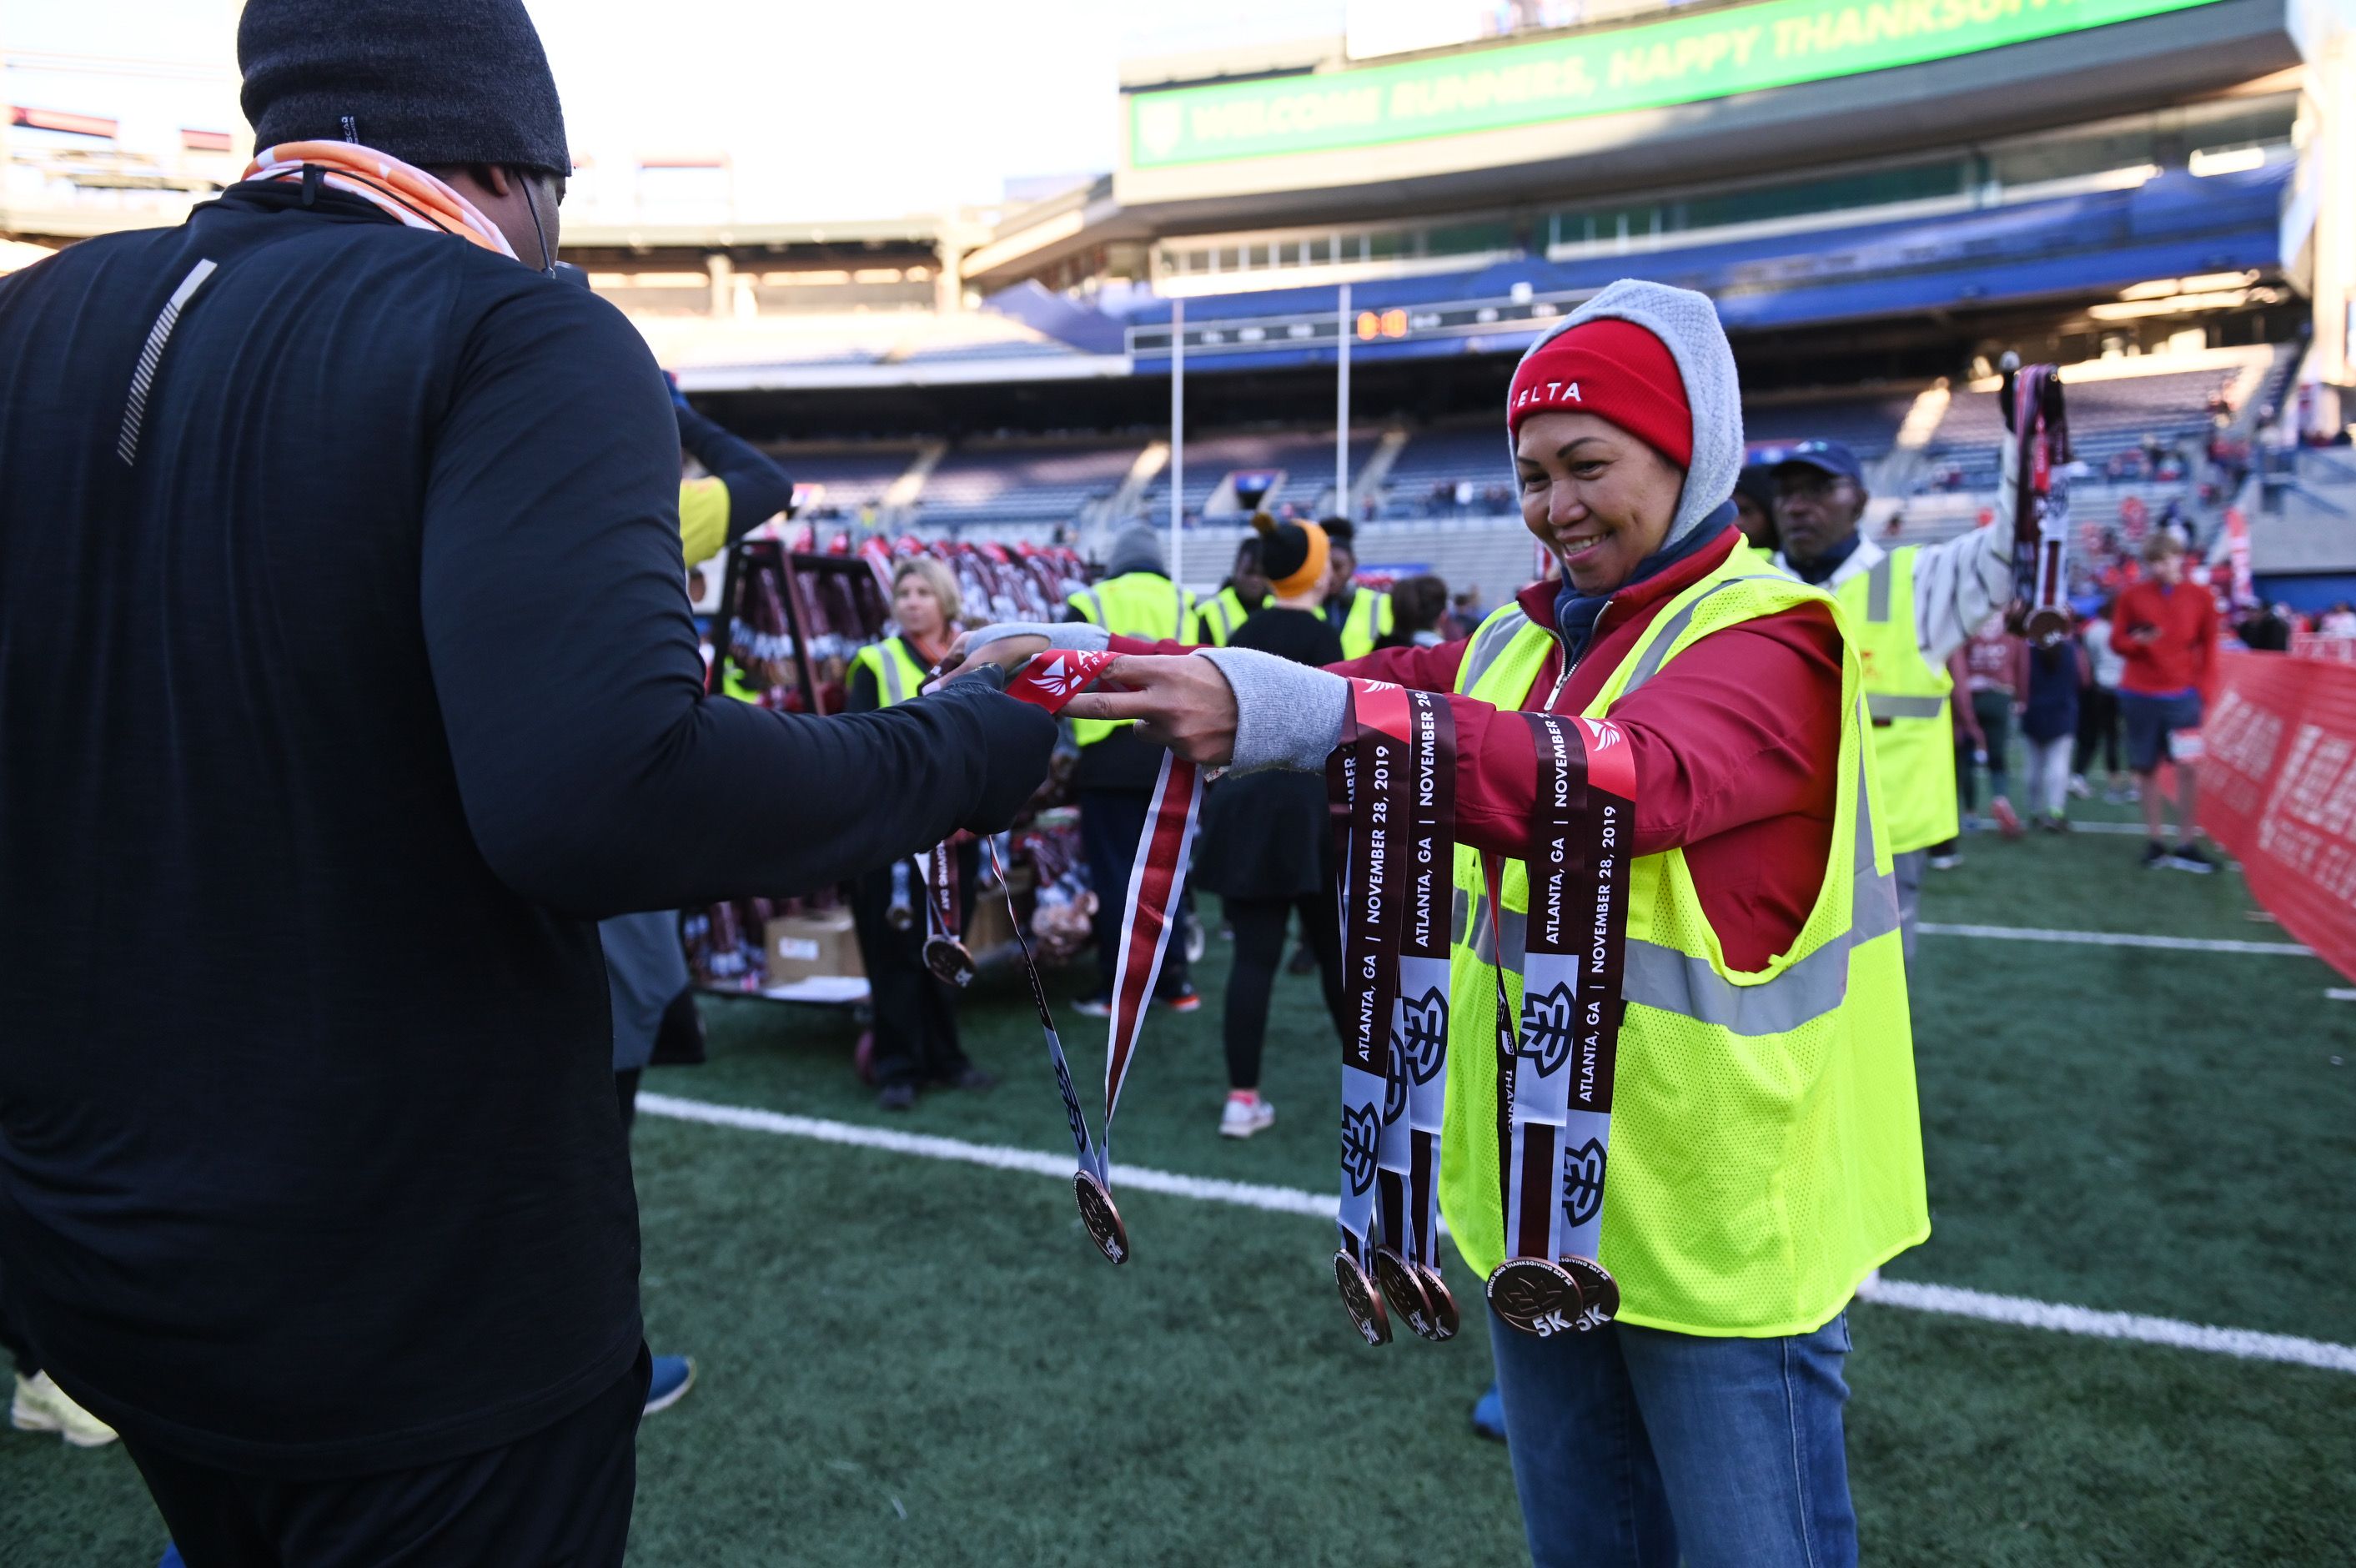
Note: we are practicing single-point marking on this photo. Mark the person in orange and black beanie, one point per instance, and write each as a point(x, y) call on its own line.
point(1267, 843)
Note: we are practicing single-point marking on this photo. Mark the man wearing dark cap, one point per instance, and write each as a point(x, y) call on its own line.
point(364, 683)
point(1911, 607)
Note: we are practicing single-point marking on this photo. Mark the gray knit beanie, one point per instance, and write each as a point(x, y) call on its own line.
point(429, 81)
point(1137, 547)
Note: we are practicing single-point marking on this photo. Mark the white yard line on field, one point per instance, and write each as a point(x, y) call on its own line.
point(2339, 993)
point(2116, 940)
point(1946, 1300)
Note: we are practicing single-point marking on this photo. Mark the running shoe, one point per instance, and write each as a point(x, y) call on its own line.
point(2007, 821)
point(41, 1406)
point(1185, 999)
point(2190, 857)
point(1241, 1117)
point(897, 1097)
point(2156, 856)
point(673, 1376)
point(1489, 1415)
point(1094, 1006)
point(1946, 862)
point(2079, 788)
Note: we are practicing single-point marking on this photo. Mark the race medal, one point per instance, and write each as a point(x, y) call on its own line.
point(950, 962)
point(1598, 1291)
point(1445, 1319)
point(1536, 1296)
point(1403, 1289)
point(1361, 1299)
point(1101, 1218)
point(944, 955)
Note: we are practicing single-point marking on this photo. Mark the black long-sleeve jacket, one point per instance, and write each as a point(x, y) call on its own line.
point(344, 674)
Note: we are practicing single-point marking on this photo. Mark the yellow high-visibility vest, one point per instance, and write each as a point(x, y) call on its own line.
point(899, 674)
point(1216, 623)
point(1367, 622)
point(1766, 1148)
point(1907, 697)
point(1135, 604)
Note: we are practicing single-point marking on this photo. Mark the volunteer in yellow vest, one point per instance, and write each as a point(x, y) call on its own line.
point(1362, 615)
point(915, 1027)
point(739, 489)
point(1765, 1152)
point(1114, 776)
point(1910, 607)
point(1245, 590)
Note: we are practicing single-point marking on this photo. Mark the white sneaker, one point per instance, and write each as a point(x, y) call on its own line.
point(1242, 1118)
point(41, 1406)
point(2080, 789)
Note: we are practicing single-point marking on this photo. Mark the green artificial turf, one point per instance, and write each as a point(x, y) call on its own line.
point(911, 1361)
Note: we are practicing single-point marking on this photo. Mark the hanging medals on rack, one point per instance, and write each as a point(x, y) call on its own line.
point(1555, 1072)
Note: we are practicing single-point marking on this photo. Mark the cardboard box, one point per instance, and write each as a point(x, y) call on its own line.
point(803, 946)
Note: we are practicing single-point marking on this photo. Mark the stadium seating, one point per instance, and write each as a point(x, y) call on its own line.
point(1866, 423)
point(2109, 419)
point(853, 476)
point(1024, 484)
point(1306, 460)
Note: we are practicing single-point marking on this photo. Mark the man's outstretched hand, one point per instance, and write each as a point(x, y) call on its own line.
point(1007, 654)
point(1179, 700)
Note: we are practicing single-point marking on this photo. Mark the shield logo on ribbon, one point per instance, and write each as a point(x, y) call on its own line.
point(1582, 1182)
point(1395, 1082)
point(1424, 1033)
point(1549, 1021)
point(1359, 1131)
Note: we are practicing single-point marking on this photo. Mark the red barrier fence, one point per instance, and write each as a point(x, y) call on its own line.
point(2278, 790)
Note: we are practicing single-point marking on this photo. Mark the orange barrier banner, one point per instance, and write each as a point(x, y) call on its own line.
point(2278, 790)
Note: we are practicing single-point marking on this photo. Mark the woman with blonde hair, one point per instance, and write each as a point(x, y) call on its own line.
point(915, 1011)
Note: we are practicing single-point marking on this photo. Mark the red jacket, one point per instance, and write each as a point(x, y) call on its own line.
point(1734, 741)
point(2178, 658)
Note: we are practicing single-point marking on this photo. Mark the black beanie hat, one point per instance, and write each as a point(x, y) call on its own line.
point(429, 81)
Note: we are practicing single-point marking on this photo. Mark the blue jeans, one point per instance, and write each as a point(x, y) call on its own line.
point(1630, 1445)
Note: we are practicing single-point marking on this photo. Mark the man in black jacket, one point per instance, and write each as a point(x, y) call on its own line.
point(346, 678)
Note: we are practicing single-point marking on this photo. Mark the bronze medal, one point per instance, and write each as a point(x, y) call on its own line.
point(947, 959)
point(1599, 1292)
point(1102, 1219)
point(1403, 1289)
point(1361, 1299)
point(1445, 1319)
point(1535, 1296)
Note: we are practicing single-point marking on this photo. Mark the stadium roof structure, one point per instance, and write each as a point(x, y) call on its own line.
point(2091, 245)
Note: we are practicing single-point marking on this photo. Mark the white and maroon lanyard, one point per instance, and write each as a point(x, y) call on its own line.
point(1051, 681)
point(1365, 777)
point(1419, 1035)
point(1554, 1073)
point(945, 950)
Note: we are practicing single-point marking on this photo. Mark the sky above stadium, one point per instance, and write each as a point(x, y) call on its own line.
point(826, 111)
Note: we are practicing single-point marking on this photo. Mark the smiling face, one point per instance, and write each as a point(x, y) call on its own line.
point(1597, 497)
point(1814, 512)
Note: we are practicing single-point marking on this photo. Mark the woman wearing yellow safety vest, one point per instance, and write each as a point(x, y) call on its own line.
point(1765, 1152)
point(915, 1012)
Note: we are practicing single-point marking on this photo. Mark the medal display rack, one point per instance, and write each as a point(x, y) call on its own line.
point(789, 617)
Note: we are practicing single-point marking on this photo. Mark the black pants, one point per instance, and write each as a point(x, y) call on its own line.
point(561, 1496)
point(1111, 823)
point(2098, 729)
point(1260, 948)
point(12, 1339)
point(916, 1015)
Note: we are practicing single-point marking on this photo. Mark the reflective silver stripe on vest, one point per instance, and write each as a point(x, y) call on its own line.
point(1883, 706)
point(1657, 649)
point(1877, 592)
point(1489, 645)
point(1218, 607)
point(894, 686)
point(1673, 981)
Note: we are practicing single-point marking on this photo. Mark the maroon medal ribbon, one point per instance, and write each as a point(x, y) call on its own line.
point(1419, 1031)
